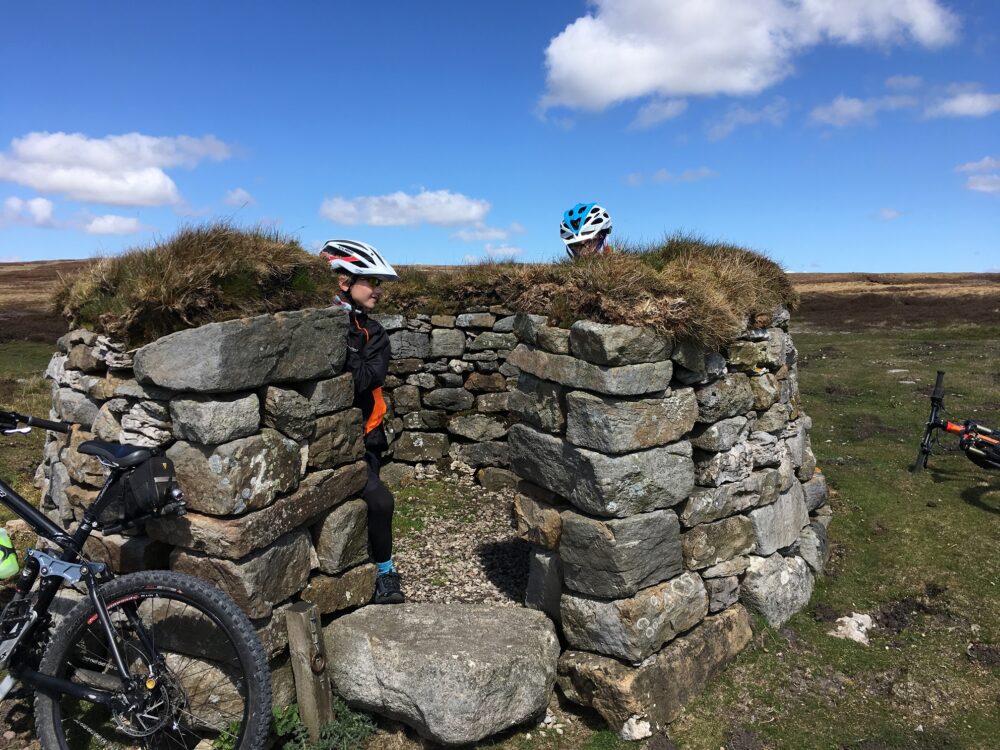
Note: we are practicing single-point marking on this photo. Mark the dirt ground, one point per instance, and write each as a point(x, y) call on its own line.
point(25, 289)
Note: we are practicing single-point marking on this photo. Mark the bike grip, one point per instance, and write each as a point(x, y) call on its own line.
point(48, 425)
point(939, 384)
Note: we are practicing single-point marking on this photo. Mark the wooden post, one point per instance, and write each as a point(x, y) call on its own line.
point(312, 682)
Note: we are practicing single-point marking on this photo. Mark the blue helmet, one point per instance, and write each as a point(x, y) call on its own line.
point(583, 222)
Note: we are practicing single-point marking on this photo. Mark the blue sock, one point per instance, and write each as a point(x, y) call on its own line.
point(385, 567)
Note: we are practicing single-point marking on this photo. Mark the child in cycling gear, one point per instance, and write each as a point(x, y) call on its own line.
point(585, 229)
point(361, 270)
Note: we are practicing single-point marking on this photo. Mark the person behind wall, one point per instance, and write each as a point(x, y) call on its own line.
point(361, 269)
point(585, 229)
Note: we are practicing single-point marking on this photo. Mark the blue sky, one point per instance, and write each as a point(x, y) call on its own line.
point(834, 135)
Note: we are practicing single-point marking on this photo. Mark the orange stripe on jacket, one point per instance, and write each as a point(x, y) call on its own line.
point(379, 407)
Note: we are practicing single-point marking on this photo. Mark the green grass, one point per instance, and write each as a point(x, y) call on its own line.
point(23, 389)
point(430, 500)
point(801, 688)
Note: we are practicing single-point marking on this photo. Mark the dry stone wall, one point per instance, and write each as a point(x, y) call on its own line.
point(667, 492)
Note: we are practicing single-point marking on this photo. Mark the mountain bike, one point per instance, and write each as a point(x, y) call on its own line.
point(154, 659)
point(980, 443)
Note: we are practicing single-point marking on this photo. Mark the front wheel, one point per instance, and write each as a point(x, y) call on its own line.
point(199, 676)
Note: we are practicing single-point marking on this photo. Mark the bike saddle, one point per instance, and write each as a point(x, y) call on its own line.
point(121, 456)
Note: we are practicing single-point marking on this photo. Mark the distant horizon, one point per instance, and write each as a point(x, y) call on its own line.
point(826, 135)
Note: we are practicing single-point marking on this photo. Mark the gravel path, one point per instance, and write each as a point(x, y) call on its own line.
point(466, 550)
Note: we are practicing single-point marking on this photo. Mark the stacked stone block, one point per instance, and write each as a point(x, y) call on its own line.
point(448, 393)
point(666, 491)
point(258, 419)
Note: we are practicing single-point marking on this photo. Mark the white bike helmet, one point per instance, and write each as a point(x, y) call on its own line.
point(583, 222)
point(357, 259)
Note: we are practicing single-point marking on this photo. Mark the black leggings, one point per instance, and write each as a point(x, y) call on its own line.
point(380, 506)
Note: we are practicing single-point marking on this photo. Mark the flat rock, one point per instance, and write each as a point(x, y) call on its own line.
point(628, 380)
point(709, 544)
point(721, 435)
point(633, 628)
point(779, 524)
point(449, 399)
point(545, 583)
point(213, 420)
point(477, 427)
point(599, 484)
point(617, 557)
point(616, 345)
point(612, 425)
point(242, 355)
point(816, 492)
point(289, 412)
point(478, 455)
point(539, 403)
point(455, 673)
point(420, 446)
point(410, 344)
point(337, 439)
point(330, 394)
point(352, 588)
point(652, 695)
point(776, 587)
point(341, 537)
point(728, 396)
point(708, 504)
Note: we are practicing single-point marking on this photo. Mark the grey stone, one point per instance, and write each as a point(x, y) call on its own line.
point(734, 567)
point(721, 435)
point(504, 325)
point(629, 380)
point(478, 455)
point(709, 544)
point(492, 403)
point(341, 537)
point(245, 474)
point(128, 554)
point(615, 558)
point(765, 391)
point(816, 492)
point(806, 470)
point(813, 546)
point(410, 344)
point(329, 395)
point(434, 420)
point(132, 388)
point(240, 355)
point(708, 504)
point(212, 420)
point(450, 380)
point(289, 412)
point(526, 327)
point(779, 524)
point(554, 340)
point(82, 468)
point(443, 321)
point(603, 485)
point(450, 399)
point(774, 419)
point(475, 320)
point(350, 589)
point(776, 587)
point(257, 582)
point(455, 673)
point(539, 403)
point(714, 469)
point(723, 398)
point(619, 426)
point(766, 449)
point(479, 382)
point(638, 701)
point(495, 479)
point(406, 399)
point(632, 629)
point(422, 380)
point(722, 592)
point(106, 425)
point(82, 357)
point(544, 587)
point(338, 439)
point(235, 538)
point(73, 406)
point(391, 322)
point(420, 446)
point(405, 366)
point(537, 521)
point(690, 360)
point(492, 340)
point(459, 366)
point(748, 355)
point(147, 424)
point(77, 336)
point(447, 342)
point(616, 345)
point(477, 427)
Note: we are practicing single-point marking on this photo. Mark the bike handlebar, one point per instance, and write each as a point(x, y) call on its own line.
point(46, 424)
point(938, 393)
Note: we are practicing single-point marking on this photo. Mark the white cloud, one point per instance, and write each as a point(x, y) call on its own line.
point(239, 197)
point(482, 233)
point(903, 83)
point(984, 183)
point(636, 179)
point(656, 112)
point(113, 224)
point(35, 211)
point(983, 165)
point(123, 170)
point(965, 104)
point(441, 207)
point(773, 114)
point(889, 214)
point(502, 252)
point(627, 49)
point(845, 110)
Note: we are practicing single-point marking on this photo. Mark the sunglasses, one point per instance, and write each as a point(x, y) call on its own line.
point(374, 283)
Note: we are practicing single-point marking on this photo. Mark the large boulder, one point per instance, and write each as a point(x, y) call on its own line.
point(241, 355)
point(603, 485)
point(616, 345)
point(776, 587)
point(455, 673)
